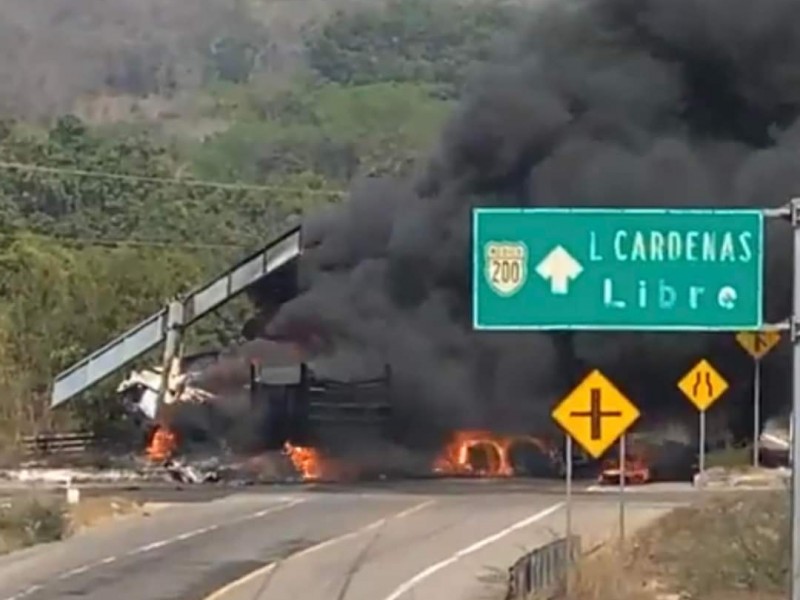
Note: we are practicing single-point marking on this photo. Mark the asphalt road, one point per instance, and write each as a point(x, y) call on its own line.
point(395, 541)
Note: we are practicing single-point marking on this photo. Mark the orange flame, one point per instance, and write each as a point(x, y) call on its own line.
point(307, 461)
point(313, 466)
point(162, 445)
point(461, 455)
point(481, 453)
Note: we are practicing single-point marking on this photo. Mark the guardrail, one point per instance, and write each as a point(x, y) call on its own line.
point(543, 570)
point(72, 442)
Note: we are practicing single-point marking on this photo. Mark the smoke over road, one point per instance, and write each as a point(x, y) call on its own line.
point(601, 103)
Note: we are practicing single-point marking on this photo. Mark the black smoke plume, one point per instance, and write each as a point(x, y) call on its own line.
point(608, 103)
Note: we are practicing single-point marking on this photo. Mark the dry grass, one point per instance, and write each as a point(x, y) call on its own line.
point(31, 520)
point(36, 519)
point(732, 458)
point(734, 547)
point(91, 512)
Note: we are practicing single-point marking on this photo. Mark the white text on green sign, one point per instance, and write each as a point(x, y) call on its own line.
point(617, 269)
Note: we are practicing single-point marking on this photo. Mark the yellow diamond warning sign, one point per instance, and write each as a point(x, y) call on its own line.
point(595, 414)
point(703, 385)
point(758, 343)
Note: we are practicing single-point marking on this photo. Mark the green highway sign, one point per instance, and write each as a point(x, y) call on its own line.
point(617, 269)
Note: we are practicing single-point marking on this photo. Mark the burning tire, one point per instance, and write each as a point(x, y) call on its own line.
point(484, 457)
point(527, 458)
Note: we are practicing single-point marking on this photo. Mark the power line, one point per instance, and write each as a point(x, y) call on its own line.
point(16, 166)
point(122, 242)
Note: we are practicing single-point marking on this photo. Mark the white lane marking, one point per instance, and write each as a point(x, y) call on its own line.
point(425, 573)
point(237, 583)
point(374, 525)
point(31, 590)
point(267, 569)
point(288, 503)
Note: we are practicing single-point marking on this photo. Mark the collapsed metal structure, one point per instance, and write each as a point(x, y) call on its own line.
point(300, 402)
point(168, 324)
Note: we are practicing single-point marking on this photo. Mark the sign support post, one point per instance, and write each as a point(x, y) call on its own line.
point(701, 451)
point(622, 476)
point(596, 415)
point(756, 412)
point(757, 344)
point(703, 386)
point(568, 503)
point(795, 419)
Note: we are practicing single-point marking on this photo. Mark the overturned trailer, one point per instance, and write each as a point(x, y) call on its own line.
point(305, 408)
point(279, 397)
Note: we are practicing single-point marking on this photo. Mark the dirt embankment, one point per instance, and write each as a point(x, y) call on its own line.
point(734, 546)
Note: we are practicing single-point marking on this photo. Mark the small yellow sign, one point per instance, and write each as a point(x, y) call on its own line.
point(758, 343)
point(703, 385)
point(595, 414)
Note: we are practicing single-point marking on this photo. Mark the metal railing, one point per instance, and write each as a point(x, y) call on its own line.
point(71, 442)
point(543, 570)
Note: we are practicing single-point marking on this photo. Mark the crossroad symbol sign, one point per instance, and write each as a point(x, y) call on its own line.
point(758, 343)
point(595, 414)
point(703, 385)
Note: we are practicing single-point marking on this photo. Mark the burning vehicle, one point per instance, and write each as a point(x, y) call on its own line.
point(488, 454)
point(647, 460)
point(289, 403)
point(775, 442)
point(637, 471)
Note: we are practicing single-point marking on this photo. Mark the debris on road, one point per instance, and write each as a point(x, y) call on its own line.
point(183, 472)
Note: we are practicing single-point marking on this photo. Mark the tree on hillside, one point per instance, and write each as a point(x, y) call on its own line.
point(57, 303)
point(55, 53)
point(150, 206)
point(333, 131)
point(408, 40)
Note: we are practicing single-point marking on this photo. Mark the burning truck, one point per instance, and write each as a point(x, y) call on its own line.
point(294, 404)
point(283, 397)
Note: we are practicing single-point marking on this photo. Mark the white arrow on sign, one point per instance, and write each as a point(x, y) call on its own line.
point(559, 266)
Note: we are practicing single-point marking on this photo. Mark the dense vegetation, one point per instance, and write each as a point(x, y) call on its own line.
point(282, 104)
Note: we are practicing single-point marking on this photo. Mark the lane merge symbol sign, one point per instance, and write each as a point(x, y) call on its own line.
point(703, 385)
point(758, 343)
point(595, 414)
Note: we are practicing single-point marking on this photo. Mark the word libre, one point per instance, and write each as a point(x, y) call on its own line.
point(703, 385)
point(634, 269)
point(758, 343)
point(595, 414)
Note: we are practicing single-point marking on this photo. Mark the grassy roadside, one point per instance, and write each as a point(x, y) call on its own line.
point(37, 519)
point(730, 547)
